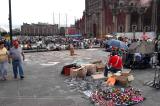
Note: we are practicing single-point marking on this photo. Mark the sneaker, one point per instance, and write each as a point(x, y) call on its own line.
point(22, 77)
point(4, 79)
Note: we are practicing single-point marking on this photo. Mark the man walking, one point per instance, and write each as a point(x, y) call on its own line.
point(17, 56)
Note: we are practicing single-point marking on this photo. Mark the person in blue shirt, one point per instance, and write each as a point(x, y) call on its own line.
point(17, 56)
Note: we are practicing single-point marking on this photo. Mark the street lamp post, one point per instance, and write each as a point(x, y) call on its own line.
point(10, 21)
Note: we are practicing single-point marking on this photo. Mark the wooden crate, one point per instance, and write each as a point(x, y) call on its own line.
point(122, 80)
point(78, 72)
point(100, 67)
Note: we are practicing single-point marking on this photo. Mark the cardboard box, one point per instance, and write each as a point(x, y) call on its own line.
point(98, 76)
point(74, 72)
point(126, 72)
point(67, 71)
point(82, 72)
point(97, 62)
point(78, 72)
point(123, 80)
point(100, 67)
point(91, 68)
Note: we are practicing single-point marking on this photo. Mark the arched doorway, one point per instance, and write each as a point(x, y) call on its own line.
point(134, 20)
point(94, 30)
point(94, 25)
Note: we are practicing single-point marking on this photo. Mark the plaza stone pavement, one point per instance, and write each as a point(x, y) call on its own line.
point(44, 86)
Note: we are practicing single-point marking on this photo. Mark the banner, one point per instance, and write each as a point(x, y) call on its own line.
point(71, 31)
point(137, 35)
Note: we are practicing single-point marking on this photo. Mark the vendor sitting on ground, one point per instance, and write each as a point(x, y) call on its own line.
point(114, 64)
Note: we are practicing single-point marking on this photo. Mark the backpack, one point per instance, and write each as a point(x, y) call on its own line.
point(137, 58)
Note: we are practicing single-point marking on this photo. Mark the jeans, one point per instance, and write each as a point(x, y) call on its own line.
point(17, 66)
point(3, 69)
point(113, 70)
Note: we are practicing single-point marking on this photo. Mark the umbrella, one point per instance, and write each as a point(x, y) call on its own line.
point(146, 47)
point(145, 36)
point(113, 42)
point(143, 47)
point(123, 46)
point(117, 43)
point(132, 48)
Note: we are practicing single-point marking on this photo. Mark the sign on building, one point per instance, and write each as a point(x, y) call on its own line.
point(137, 35)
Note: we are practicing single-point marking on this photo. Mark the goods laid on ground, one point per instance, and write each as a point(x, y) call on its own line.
point(82, 69)
point(123, 78)
point(99, 65)
point(66, 69)
point(78, 72)
point(98, 76)
point(117, 96)
point(111, 81)
point(102, 95)
point(89, 79)
point(90, 68)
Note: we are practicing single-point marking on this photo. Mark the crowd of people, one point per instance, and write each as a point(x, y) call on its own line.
point(140, 58)
point(15, 54)
point(62, 42)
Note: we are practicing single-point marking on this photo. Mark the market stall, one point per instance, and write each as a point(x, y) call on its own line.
point(139, 54)
point(88, 78)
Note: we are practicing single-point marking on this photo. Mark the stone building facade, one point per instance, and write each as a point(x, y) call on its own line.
point(94, 15)
point(40, 29)
point(80, 25)
point(108, 16)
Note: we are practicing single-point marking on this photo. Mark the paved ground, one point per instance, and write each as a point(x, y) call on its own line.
point(44, 86)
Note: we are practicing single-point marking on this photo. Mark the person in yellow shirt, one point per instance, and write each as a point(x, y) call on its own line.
point(3, 61)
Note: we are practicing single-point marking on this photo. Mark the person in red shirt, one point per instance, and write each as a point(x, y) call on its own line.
point(115, 64)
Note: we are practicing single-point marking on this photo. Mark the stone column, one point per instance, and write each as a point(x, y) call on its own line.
point(140, 22)
point(34, 32)
point(154, 16)
point(115, 23)
point(101, 24)
point(128, 19)
point(85, 23)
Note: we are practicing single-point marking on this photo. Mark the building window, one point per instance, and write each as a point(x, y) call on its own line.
point(109, 29)
point(121, 29)
point(134, 28)
point(132, 3)
point(147, 29)
point(121, 3)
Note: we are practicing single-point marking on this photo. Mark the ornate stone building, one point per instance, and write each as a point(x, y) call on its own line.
point(94, 15)
point(108, 16)
point(40, 29)
point(80, 25)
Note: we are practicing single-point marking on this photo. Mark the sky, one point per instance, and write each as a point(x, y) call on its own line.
point(34, 11)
